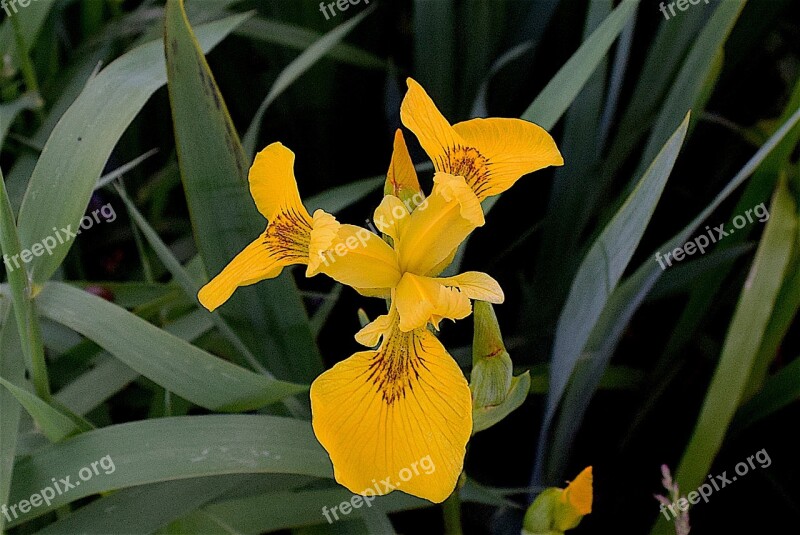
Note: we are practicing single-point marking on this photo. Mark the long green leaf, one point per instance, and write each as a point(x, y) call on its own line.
point(224, 218)
point(742, 343)
point(11, 369)
point(165, 449)
point(171, 362)
point(560, 92)
point(21, 292)
point(627, 298)
point(281, 33)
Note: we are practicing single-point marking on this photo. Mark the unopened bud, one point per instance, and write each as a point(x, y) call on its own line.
point(556, 510)
point(491, 364)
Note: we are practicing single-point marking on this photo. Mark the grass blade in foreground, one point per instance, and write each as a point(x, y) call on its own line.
point(224, 218)
point(742, 343)
point(176, 365)
point(165, 449)
point(601, 270)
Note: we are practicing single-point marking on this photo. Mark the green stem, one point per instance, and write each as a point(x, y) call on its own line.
point(25, 64)
point(452, 514)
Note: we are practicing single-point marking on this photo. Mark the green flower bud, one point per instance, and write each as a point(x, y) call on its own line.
point(491, 364)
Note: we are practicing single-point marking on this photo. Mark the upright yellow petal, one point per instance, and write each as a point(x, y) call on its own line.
point(397, 418)
point(401, 178)
point(434, 232)
point(360, 259)
point(273, 185)
point(421, 116)
point(579, 492)
point(508, 149)
point(324, 231)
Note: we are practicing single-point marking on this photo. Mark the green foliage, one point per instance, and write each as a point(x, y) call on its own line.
point(157, 109)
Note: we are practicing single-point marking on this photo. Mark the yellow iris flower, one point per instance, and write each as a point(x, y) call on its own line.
point(381, 412)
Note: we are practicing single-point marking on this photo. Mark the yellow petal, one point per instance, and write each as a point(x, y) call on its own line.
point(258, 261)
point(418, 299)
point(506, 150)
point(401, 179)
point(324, 230)
point(391, 216)
point(476, 285)
point(579, 492)
point(360, 259)
point(420, 115)
point(272, 183)
point(285, 242)
point(435, 230)
point(371, 333)
point(395, 418)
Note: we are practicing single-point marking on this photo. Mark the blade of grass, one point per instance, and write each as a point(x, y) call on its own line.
point(167, 449)
point(167, 360)
point(224, 218)
point(756, 303)
point(601, 270)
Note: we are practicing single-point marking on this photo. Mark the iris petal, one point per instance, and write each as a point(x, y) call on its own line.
point(400, 414)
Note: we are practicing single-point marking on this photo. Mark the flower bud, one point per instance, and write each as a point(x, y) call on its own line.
point(491, 364)
point(556, 510)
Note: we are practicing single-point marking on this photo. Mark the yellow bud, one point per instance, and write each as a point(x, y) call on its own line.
point(555, 510)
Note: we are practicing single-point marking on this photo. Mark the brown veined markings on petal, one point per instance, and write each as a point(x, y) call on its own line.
point(395, 365)
point(288, 236)
point(469, 163)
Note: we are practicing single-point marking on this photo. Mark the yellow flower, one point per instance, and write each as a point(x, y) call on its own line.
point(491, 154)
point(379, 412)
point(397, 416)
point(292, 235)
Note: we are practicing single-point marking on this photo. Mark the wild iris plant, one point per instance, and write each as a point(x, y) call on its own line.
point(382, 409)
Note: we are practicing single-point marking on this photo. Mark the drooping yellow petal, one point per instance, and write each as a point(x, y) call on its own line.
point(360, 259)
point(432, 234)
point(401, 178)
point(579, 492)
point(395, 418)
point(418, 299)
point(476, 285)
point(273, 185)
point(262, 259)
point(509, 149)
